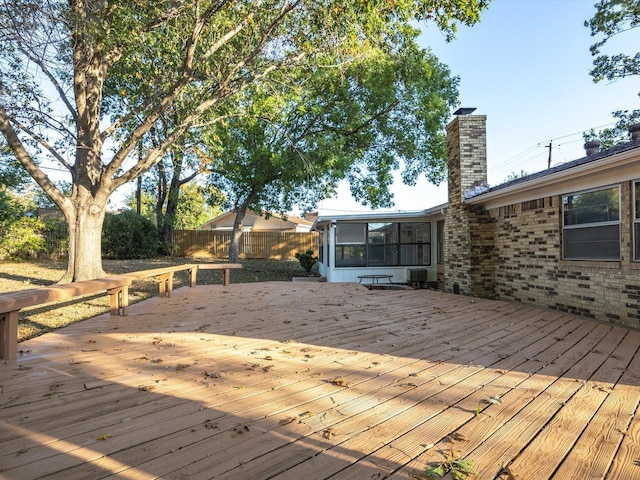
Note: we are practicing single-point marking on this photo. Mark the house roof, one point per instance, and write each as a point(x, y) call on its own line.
point(611, 165)
point(292, 219)
point(568, 165)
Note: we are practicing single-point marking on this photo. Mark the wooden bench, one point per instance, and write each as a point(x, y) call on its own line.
point(116, 286)
point(12, 302)
point(165, 276)
point(225, 267)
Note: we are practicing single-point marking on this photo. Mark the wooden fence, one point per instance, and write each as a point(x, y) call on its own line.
point(266, 245)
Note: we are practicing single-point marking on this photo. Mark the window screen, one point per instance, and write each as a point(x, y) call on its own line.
point(591, 229)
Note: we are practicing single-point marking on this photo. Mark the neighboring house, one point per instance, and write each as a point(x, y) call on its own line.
point(566, 239)
point(253, 222)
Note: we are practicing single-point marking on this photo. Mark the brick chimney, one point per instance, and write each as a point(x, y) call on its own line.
point(469, 230)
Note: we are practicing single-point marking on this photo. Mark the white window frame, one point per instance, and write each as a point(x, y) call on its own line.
point(635, 227)
point(565, 228)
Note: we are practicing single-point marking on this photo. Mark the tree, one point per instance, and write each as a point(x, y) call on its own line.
point(290, 145)
point(618, 134)
point(198, 52)
point(613, 18)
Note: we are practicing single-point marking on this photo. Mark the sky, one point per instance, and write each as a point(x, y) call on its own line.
point(526, 67)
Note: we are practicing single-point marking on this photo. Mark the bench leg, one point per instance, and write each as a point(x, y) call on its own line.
point(166, 284)
point(118, 300)
point(226, 276)
point(9, 335)
point(193, 273)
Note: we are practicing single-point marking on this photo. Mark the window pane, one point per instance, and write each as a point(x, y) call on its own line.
point(350, 233)
point(383, 233)
point(637, 197)
point(350, 256)
point(592, 207)
point(592, 243)
point(383, 255)
point(636, 225)
point(440, 241)
point(415, 232)
point(419, 254)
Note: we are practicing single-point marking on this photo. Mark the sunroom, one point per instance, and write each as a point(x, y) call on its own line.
point(382, 248)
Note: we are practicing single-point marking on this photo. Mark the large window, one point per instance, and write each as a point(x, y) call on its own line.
point(591, 229)
point(440, 241)
point(636, 220)
point(383, 244)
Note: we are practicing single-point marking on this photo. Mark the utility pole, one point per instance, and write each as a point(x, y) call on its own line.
point(550, 146)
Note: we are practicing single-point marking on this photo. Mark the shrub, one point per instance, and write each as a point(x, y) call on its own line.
point(129, 235)
point(307, 260)
point(21, 238)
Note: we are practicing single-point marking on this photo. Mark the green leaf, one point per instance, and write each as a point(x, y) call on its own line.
point(435, 471)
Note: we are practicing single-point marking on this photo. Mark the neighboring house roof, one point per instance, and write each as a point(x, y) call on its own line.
point(619, 163)
point(256, 222)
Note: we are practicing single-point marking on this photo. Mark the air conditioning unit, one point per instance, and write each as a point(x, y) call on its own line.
point(416, 275)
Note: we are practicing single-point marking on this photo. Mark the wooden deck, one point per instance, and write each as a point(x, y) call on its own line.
point(316, 381)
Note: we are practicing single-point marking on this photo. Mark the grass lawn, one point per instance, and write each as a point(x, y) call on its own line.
point(42, 319)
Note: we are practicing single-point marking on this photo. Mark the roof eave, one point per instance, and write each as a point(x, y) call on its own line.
point(500, 196)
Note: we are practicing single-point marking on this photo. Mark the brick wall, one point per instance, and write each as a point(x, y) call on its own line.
point(529, 267)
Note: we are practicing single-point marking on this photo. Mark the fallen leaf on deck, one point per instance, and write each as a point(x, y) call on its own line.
point(339, 381)
point(210, 424)
point(181, 366)
point(105, 436)
point(495, 400)
point(329, 433)
point(288, 420)
point(408, 385)
point(456, 437)
point(73, 362)
point(240, 429)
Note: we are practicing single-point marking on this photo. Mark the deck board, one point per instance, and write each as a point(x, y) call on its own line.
point(316, 381)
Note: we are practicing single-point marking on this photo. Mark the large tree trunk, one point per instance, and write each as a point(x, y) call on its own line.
point(85, 220)
point(236, 234)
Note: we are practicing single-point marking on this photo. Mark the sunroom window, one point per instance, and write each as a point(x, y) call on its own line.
point(591, 225)
point(378, 244)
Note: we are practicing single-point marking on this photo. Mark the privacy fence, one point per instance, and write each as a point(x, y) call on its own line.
point(266, 245)
point(209, 244)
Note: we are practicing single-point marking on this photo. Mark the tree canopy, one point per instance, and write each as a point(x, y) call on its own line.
point(83, 83)
point(612, 19)
point(288, 143)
